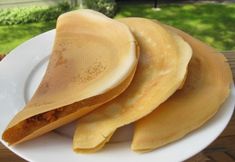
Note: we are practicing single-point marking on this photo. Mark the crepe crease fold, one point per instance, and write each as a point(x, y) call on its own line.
point(205, 89)
point(162, 66)
point(86, 69)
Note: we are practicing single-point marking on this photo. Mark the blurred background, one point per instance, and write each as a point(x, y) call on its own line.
point(212, 21)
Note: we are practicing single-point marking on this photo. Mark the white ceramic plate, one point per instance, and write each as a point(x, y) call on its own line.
point(20, 73)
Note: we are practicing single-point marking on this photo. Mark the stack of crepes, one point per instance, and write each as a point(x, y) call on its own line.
point(108, 73)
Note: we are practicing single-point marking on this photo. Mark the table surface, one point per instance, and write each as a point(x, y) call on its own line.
point(221, 150)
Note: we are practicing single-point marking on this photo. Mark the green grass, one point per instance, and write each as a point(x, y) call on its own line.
point(12, 36)
point(212, 23)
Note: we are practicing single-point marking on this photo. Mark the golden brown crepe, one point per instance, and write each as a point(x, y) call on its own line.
point(93, 60)
point(206, 88)
point(161, 69)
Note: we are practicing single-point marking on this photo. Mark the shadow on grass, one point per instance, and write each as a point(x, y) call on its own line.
point(12, 36)
point(212, 23)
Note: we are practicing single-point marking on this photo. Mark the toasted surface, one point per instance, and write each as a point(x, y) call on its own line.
point(86, 69)
point(160, 72)
point(205, 89)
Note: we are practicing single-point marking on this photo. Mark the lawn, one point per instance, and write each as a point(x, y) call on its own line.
point(12, 36)
point(212, 23)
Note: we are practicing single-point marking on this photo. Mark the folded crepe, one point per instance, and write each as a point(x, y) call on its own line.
point(93, 60)
point(206, 88)
point(161, 69)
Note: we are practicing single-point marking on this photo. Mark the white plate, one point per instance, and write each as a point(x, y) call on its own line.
point(20, 74)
